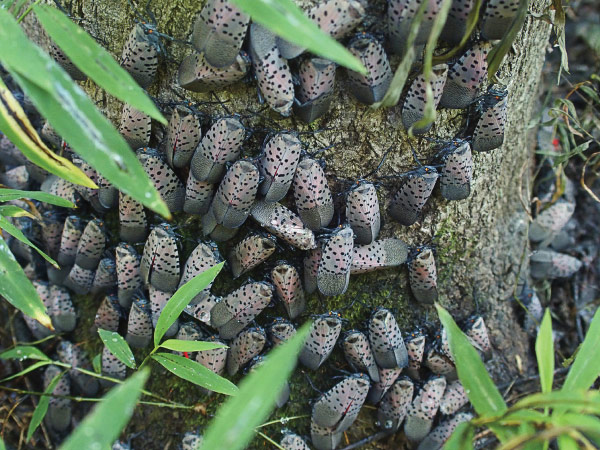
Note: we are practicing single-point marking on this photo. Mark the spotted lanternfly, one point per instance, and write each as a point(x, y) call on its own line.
point(535, 311)
point(215, 359)
point(324, 438)
point(129, 278)
point(489, 132)
point(477, 333)
point(90, 195)
point(109, 313)
point(62, 311)
point(201, 311)
point(221, 144)
point(284, 394)
point(387, 378)
point(140, 54)
point(160, 261)
point(244, 347)
point(456, 22)
point(497, 18)
point(395, 403)
point(235, 195)
point(196, 75)
point(422, 274)
point(400, 16)
point(43, 290)
point(550, 221)
point(286, 280)
point(315, 91)
point(112, 366)
point(202, 258)
point(380, 254)
point(362, 212)
point(191, 441)
point(423, 409)
point(169, 186)
point(386, 340)
point(440, 434)
point(189, 331)
point(52, 228)
point(38, 331)
point(91, 245)
point(457, 173)
point(416, 99)
point(408, 202)
point(183, 136)
point(219, 32)
point(79, 280)
point(310, 267)
point(106, 276)
point(319, 344)
point(548, 264)
point(454, 398)
point(58, 415)
point(239, 308)
point(63, 60)
point(61, 188)
point(339, 406)
point(333, 273)
point(277, 165)
point(415, 348)
point(132, 219)
point(292, 441)
point(439, 363)
point(465, 77)
point(139, 325)
point(198, 195)
point(283, 223)
point(76, 357)
point(312, 195)
point(253, 250)
point(158, 300)
point(358, 353)
point(135, 127)
point(108, 195)
point(370, 88)
point(48, 134)
point(272, 71)
point(212, 230)
point(16, 178)
point(280, 330)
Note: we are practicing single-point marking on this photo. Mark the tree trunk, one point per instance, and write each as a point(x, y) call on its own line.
point(480, 241)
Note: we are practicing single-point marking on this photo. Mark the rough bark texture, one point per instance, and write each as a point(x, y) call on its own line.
point(480, 241)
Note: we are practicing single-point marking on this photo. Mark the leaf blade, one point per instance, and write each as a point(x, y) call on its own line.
point(189, 346)
point(42, 408)
point(118, 347)
point(24, 352)
point(18, 234)
point(584, 369)
point(15, 194)
point(544, 351)
point(28, 369)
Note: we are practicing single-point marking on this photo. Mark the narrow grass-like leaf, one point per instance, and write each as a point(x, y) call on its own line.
point(559, 30)
point(18, 234)
point(14, 211)
point(566, 442)
point(118, 347)
point(2, 446)
point(575, 400)
point(28, 369)
point(97, 363)
point(195, 372)
point(189, 346)
point(180, 300)
point(234, 424)
point(7, 195)
point(587, 424)
point(16, 126)
point(24, 352)
point(585, 368)
point(42, 407)
point(104, 423)
point(18, 290)
point(74, 116)
point(462, 438)
point(544, 352)
point(285, 19)
point(94, 61)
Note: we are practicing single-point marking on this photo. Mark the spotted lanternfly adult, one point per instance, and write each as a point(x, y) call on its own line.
point(380, 254)
point(79, 280)
point(312, 195)
point(416, 99)
point(76, 357)
point(438, 362)
point(129, 278)
point(497, 18)
point(386, 340)
point(58, 415)
point(158, 300)
point(422, 274)
point(340, 405)
point(370, 88)
point(456, 22)
point(62, 311)
point(160, 262)
point(284, 394)
point(239, 308)
point(423, 409)
point(140, 54)
point(196, 75)
point(387, 378)
point(91, 245)
point(358, 353)
point(198, 195)
point(253, 250)
point(324, 438)
point(548, 264)
point(280, 330)
point(105, 278)
point(277, 165)
point(272, 71)
point(440, 434)
point(89, 195)
point(550, 221)
point(465, 77)
point(191, 441)
point(183, 136)
point(454, 398)
point(219, 32)
point(215, 359)
point(400, 16)
point(16, 178)
point(61, 188)
point(535, 311)
point(52, 228)
point(109, 313)
point(362, 212)
point(286, 280)
point(38, 331)
point(108, 195)
point(63, 60)
point(489, 132)
point(292, 441)
point(415, 348)
point(48, 134)
point(395, 403)
point(212, 230)
point(135, 127)
point(139, 325)
point(457, 173)
point(244, 347)
point(202, 258)
point(408, 201)
point(132, 219)
point(315, 91)
point(43, 290)
point(201, 311)
point(319, 344)
point(333, 273)
point(283, 223)
point(310, 267)
point(112, 367)
point(166, 182)
point(221, 144)
point(477, 333)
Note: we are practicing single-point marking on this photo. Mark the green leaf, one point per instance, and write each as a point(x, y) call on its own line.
point(588, 401)
point(462, 438)
point(180, 300)
point(118, 347)
point(74, 116)
point(15, 211)
point(285, 19)
point(97, 363)
point(195, 372)
point(94, 61)
point(7, 195)
point(24, 352)
point(18, 234)
point(544, 351)
point(590, 425)
point(42, 407)
point(190, 346)
point(104, 423)
point(585, 368)
point(234, 424)
point(18, 290)
point(2, 447)
point(566, 442)
point(25, 371)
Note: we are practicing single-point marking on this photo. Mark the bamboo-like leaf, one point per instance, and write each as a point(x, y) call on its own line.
point(189, 346)
point(180, 300)
point(585, 368)
point(566, 442)
point(285, 19)
point(18, 290)
point(544, 351)
point(24, 352)
point(2, 446)
point(195, 372)
point(118, 347)
point(16, 126)
point(462, 438)
point(7, 195)
point(15, 211)
point(234, 424)
point(104, 423)
point(28, 369)
point(94, 61)
point(572, 400)
point(97, 363)
point(42, 408)
point(18, 234)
